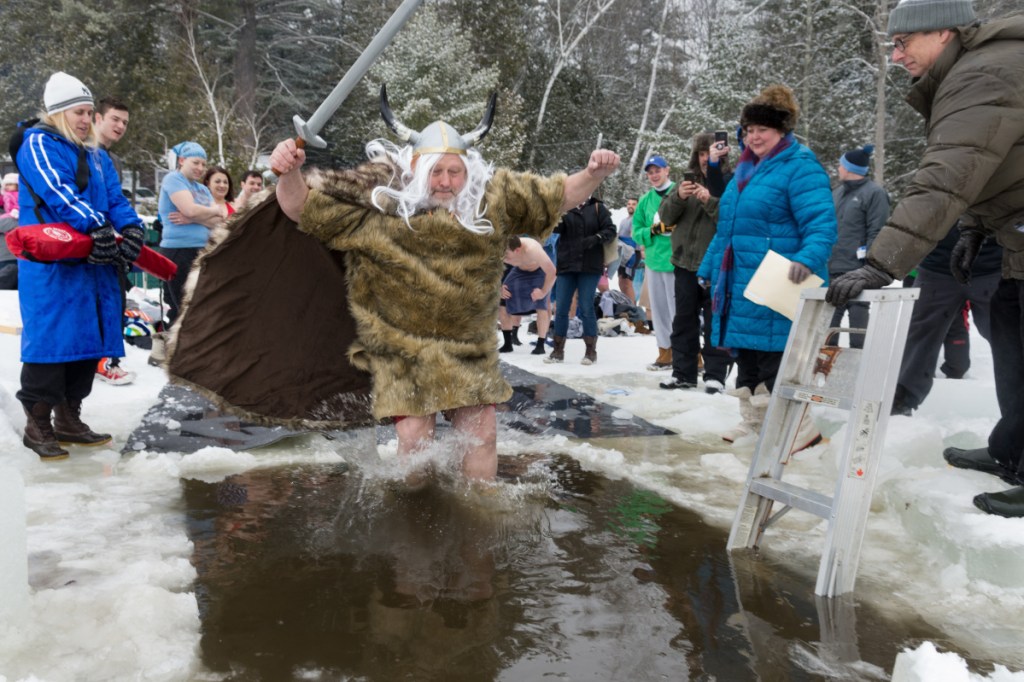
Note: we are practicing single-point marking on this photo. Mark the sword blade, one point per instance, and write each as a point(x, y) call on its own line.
point(308, 131)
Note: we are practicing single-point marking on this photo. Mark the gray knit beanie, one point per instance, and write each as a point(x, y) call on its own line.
point(911, 16)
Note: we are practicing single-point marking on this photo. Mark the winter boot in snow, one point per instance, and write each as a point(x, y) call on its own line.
point(538, 348)
point(39, 435)
point(558, 352)
point(753, 415)
point(507, 348)
point(158, 354)
point(664, 360)
point(1009, 503)
point(515, 336)
point(979, 459)
point(590, 356)
point(70, 428)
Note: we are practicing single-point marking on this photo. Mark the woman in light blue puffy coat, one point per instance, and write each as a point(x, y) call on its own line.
point(779, 199)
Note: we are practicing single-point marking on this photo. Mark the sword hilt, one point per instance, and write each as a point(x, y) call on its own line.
point(302, 142)
point(308, 136)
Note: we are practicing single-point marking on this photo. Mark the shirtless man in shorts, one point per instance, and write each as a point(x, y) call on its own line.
point(525, 289)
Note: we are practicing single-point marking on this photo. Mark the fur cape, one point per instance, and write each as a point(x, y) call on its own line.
point(264, 325)
point(352, 295)
point(425, 299)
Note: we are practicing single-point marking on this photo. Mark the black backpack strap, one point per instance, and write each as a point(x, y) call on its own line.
point(81, 169)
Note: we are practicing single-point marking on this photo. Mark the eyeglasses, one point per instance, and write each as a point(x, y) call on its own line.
point(901, 43)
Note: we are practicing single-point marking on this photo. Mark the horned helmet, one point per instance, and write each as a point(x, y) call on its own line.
point(438, 137)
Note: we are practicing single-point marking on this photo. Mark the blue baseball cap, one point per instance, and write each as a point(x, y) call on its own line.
point(656, 160)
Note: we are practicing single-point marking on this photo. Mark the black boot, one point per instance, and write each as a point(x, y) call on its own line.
point(590, 355)
point(39, 435)
point(71, 429)
point(515, 336)
point(539, 348)
point(901, 403)
point(558, 352)
point(976, 460)
point(1009, 503)
point(507, 348)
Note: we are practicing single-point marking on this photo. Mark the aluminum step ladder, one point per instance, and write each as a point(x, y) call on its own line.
point(815, 370)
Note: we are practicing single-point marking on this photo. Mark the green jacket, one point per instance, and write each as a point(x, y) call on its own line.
point(694, 228)
point(972, 100)
point(657, 247)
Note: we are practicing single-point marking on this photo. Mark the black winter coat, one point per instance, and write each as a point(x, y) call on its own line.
point(582, 234)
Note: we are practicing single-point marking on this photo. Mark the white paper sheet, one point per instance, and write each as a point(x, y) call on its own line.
point(770, 285)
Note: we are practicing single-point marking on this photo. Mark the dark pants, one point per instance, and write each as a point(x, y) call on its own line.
point(55, 382)
point(174, 290)
point(567, 284)
point(941, 302)
point(858, 320)
point(956, 347)
point(757, 366)
point(1006, 443)
point(692, 300)
point(8, 274)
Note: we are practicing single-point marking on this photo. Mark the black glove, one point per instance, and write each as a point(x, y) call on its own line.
point(590, 241)
point(961, 258)
point(104, 246)
point(132, 238)
point(848, 286)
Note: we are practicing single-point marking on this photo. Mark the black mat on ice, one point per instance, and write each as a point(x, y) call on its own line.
point(183, 421)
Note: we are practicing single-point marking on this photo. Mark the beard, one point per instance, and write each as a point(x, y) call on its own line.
point(441, 201)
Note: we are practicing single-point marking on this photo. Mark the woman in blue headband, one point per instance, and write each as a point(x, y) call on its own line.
point(187, 212)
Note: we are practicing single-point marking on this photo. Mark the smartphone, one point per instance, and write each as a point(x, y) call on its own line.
point(689, 177)
point(721, 139)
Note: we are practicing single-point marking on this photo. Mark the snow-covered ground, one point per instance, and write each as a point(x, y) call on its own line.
point(107, 592)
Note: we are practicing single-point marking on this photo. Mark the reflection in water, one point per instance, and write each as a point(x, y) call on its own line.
point(316, 572)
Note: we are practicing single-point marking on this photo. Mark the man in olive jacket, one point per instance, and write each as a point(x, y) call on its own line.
point(969, 86)
point(694, 212)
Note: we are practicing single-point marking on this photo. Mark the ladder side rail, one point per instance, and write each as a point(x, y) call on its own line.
point(861, 451)
point(805, 336)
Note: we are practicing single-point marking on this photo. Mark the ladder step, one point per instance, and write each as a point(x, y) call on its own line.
point(793, 496)
point(814, 396)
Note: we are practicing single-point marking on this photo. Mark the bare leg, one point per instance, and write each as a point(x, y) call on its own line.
point(479, 425)
point(504, 319)
point(415, 434)
point(543, 322)
point(626, 287)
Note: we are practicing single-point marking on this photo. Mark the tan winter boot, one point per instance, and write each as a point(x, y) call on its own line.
point(663, 362)
point(590, 356)
point(753, 407)
point(743, 428)
point(39, 435)
point(70, 428)
point(158, 354)
point(558, 352)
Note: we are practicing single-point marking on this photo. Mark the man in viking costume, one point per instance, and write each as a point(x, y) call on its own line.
point(424, 230)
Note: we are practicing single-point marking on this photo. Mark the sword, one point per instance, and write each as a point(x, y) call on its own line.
point(308, 131)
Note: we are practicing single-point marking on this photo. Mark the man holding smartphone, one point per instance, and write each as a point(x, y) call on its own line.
point(694, 211)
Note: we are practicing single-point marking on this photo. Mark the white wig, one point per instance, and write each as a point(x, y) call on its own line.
point(413, 195)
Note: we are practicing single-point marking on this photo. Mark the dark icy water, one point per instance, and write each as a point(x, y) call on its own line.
point(319, 572)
